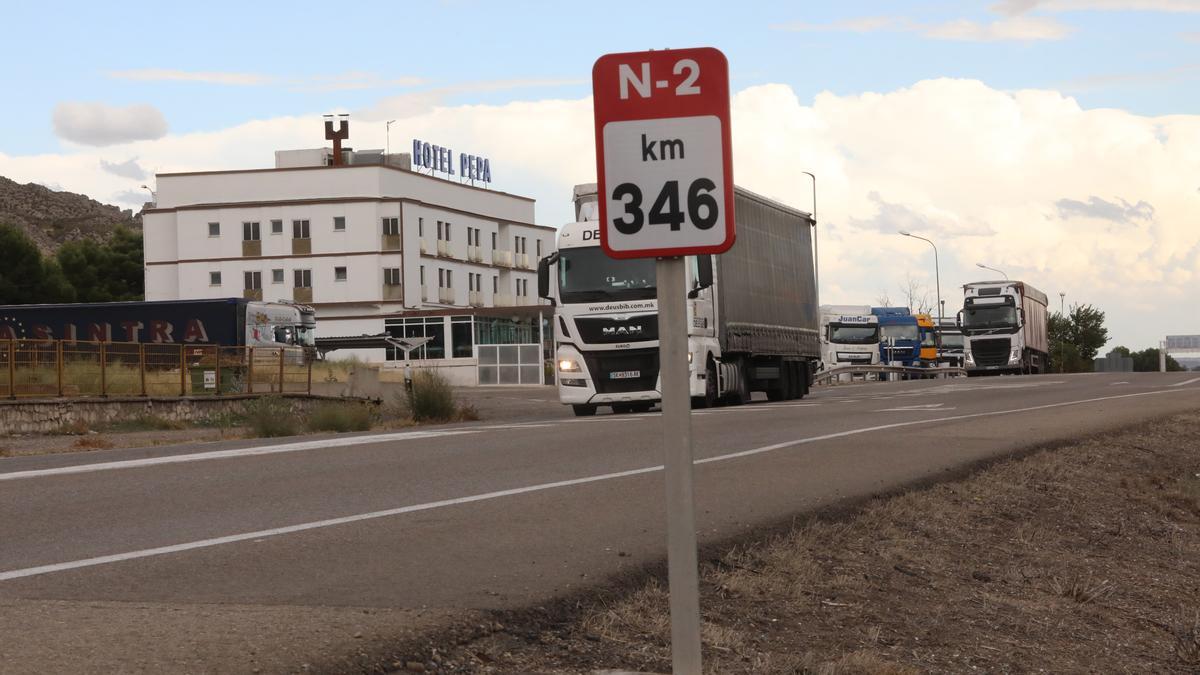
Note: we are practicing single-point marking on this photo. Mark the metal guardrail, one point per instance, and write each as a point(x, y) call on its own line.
point(827, 376)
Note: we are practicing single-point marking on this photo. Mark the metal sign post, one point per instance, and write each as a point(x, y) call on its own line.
point(682, 574)
point(665, 179)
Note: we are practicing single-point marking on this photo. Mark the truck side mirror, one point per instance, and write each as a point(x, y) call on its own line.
point(543, 276)
point(704, 275)
point(958, 319)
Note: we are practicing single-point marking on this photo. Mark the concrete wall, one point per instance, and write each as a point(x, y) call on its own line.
point(40, 417)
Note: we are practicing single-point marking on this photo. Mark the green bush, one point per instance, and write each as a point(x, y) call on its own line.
point(431, 398)
point(270, 416)
point(340, 417)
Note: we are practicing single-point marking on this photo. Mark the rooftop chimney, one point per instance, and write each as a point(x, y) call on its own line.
point(342, 133)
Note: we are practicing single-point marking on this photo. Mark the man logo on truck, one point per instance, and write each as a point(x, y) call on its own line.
point(610, 331)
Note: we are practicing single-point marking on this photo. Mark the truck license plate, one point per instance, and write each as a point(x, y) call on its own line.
point(624, 374)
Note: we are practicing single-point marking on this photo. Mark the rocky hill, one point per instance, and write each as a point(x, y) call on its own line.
point(52, 218)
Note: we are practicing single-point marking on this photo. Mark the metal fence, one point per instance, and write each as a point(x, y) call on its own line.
point(60, 368)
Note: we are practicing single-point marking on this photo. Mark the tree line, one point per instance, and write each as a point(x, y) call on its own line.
point(81, 271)
point(1076, 339)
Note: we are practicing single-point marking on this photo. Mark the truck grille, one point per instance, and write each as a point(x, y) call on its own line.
point(992, 352)
point(604, 330)
point(602, 366)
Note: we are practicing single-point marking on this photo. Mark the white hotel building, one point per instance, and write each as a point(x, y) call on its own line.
point(374, 247)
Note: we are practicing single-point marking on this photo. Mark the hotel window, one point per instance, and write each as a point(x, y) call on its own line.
point(441, 278)
point(214, 229)
point(250, 232)
point(495, 284)
point(422, 275)
point(391, 276)
point(300, 229)
point(493, 241)
point(391, 226)
point(214, 278)
point(470, 236)
point(303, 278)
point(276, 227)
point(470, 282)
point(439, 230)
point(433, 327)
point(420, 227)
point(339, 223)
point(277, 276)
point(449, 280)
point(539, 248)
point(339, 274)
point(447, 231)
point(253, 280)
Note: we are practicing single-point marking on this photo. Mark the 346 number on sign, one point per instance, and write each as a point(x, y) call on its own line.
point(702, 208)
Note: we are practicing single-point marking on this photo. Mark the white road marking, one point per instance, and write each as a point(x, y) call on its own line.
point(1180, 384)
point(1113, 384)
point(927, 407)
point(217, 541)
point(322, 444)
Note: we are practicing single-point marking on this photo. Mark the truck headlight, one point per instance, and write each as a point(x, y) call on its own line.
point(568, 366)
point(969, 359)
point(1014, 355)
point(689, 357)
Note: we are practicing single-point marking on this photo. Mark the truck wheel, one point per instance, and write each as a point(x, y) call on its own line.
point(709, 399)
point(583, 409)
point(740, 392)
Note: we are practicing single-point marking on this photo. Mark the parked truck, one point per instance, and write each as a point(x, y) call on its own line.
point(751, 313)
point(929, 340)
point(225, 321)
point(950, 343)
point(849, 336)
point(1005, 326)
point(899, 336)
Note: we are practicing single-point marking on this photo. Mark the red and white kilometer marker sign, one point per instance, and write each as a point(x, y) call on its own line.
point(663, 157)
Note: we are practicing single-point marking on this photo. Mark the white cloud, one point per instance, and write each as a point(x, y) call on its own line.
point(170, 75)
point(1013, 28)
point(1017, 28)
point(1026, 181)
point(127, 169)
point(94, 123)
point(1013, 7)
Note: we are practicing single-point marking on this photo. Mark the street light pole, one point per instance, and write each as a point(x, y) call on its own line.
point(816, 251)
point(1062, 344)
point(387, 132)
point(937, 275)
point(993, 269)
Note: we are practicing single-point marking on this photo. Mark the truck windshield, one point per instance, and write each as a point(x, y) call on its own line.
point(995, 316)
point(853, 335)
point(952, 341)
point(900, 332)
point(928, 338)
point(589, 275)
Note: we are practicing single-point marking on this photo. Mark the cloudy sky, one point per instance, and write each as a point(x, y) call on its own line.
point(1056, 140)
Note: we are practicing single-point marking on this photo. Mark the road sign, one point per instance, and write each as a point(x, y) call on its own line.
point(663, 159)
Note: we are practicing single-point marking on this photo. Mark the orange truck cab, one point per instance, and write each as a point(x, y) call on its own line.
point(929, 340)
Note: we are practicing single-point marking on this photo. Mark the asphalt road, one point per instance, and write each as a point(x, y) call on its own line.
point(495, 514)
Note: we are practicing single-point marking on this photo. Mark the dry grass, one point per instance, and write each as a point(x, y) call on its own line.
point(93, 443)
point(1080, 559)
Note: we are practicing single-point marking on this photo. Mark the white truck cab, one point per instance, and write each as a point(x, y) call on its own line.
point(849, 336)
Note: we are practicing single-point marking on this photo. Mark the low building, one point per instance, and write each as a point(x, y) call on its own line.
point(371, 244)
